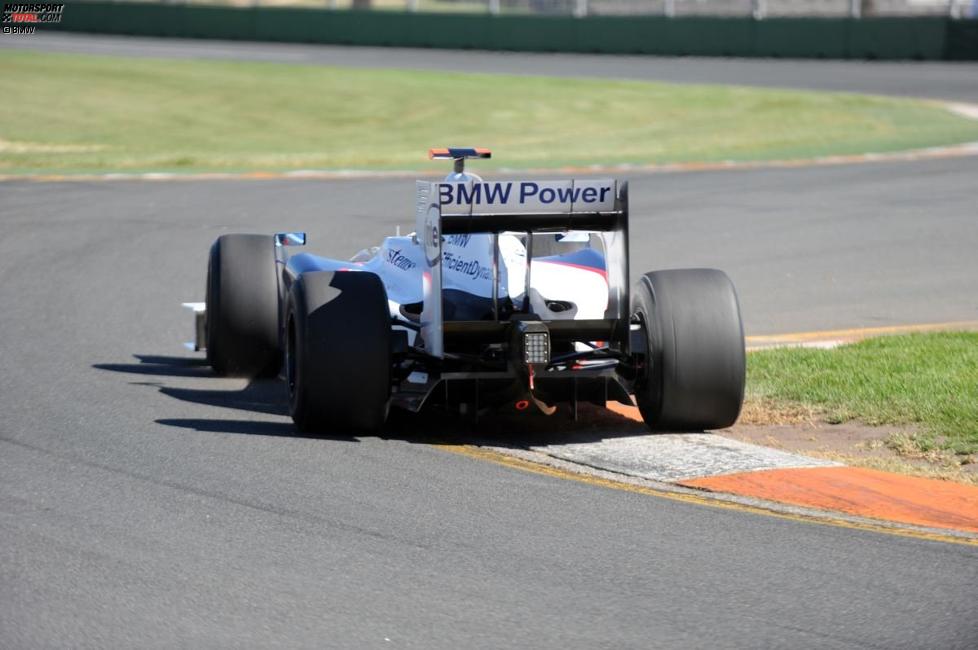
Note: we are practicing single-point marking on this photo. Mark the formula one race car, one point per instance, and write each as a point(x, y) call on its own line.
point(509, 294)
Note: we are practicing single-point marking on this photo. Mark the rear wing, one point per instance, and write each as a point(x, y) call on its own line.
point(476, 206)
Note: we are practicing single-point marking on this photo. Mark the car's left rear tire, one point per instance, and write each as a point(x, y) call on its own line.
point(337, 352)
point(242, 307)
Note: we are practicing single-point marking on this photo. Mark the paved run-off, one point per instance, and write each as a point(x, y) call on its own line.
point(677, 457)
point(858, 491)
point(713, 463)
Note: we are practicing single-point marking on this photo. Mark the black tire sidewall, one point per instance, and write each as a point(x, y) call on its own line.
point(648, 388)
point(697, 366)
point(298, 363)
point(342, 358)
point(242, 335)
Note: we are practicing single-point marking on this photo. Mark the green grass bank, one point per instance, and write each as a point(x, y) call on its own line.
point(928, 382)
point(103, 114)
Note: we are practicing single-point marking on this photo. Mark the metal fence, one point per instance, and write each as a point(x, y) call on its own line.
point(759, 9)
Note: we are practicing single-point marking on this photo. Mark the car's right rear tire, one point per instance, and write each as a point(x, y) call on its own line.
point(337, 352)
point(695, 363)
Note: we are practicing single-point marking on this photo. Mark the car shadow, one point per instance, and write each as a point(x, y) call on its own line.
point(506, 427)
point(266, 396)
point(283, 429)
point(161, 366)
point(502, 427)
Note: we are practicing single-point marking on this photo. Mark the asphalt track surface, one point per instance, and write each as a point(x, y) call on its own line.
point(937, 80)
point(144, 502)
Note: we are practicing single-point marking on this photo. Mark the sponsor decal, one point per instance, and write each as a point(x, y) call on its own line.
point(465, 193)
point(23, 18)
point(400, 261)
point(460, 241)
point(549, 196)
point(471, 268)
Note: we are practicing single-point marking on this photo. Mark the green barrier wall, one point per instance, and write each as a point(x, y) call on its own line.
point(871, 38)
point(962, 40)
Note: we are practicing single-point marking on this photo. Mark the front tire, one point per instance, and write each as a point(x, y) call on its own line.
point(337, 352)
point(242, 307)
point(695, 370)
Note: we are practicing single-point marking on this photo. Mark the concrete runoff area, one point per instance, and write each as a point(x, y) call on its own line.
point(714, 463)
point(677, 457)
point(858, 491)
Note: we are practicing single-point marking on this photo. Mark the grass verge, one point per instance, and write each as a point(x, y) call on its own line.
point(77, 113)
point(928, 382)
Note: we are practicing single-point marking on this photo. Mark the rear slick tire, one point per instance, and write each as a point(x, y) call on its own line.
point(242, 307)
point(695, 368)
point(337, 352)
